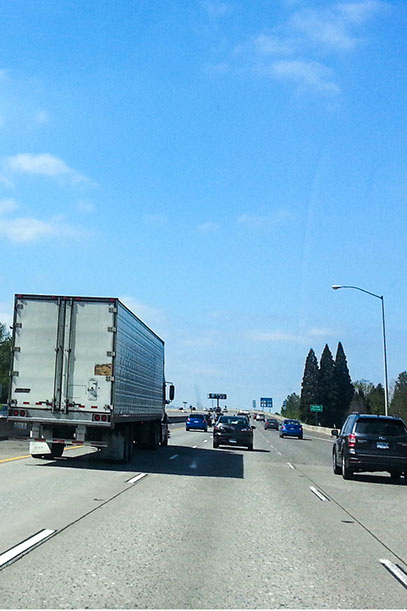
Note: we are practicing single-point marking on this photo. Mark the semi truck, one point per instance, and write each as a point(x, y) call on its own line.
point(86, 371)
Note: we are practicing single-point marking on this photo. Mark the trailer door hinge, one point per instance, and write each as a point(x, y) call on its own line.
point(110, 353)
point(113, 310)
point(112, 329)
point(109, 378)
point(18, 325)
point(14, 374)
point(16, 349)
point(19, 306)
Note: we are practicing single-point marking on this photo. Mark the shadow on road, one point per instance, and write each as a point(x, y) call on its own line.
point(191, 462)
point(378, 479)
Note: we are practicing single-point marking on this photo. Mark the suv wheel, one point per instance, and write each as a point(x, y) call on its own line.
point(347, 472)
point(337, 470)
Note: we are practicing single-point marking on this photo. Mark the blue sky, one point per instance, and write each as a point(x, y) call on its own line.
point(217, 165)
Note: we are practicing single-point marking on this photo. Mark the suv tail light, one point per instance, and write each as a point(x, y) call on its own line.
point(351, 440)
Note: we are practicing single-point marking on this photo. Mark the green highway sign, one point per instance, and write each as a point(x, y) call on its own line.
point(316, 408)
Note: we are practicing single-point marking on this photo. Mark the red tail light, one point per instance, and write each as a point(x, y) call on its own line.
point(351, 440)
point(22, 412)
point(15, 413)
point(97, 417)
point(104, 418)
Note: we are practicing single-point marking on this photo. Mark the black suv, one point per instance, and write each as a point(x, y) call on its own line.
point(370, 443)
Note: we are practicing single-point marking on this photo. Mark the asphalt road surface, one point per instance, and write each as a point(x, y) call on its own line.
point(201, 528)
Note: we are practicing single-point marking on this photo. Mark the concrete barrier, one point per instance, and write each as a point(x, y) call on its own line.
point(307, 427)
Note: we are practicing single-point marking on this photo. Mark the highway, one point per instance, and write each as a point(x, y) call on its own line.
point(193, 527)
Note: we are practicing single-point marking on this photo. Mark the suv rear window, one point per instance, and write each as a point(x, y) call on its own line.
point(380, 426)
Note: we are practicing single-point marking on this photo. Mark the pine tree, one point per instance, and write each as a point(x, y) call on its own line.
point(399, 402)
point(309, 387)
point(328, 391)
point(375, 400)
point(344, 387)
point(291, 407)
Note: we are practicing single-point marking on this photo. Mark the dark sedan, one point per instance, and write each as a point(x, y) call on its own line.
point(271, 423)
point(234, 431)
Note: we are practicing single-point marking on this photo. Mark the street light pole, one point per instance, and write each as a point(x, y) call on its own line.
point(386, 384)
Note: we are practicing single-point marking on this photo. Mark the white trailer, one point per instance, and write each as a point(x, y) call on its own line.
point(86, 371)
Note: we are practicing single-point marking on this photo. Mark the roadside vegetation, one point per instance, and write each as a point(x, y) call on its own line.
point(328, 383)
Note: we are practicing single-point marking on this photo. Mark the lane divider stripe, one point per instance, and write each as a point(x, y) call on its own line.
point(136, 478)
point(318, 494)
point(395, 570)
point(21, 548)
point(290, 465)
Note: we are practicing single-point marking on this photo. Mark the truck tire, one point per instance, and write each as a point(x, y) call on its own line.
point(57, 449)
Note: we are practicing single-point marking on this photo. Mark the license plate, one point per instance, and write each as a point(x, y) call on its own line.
point(232, 440)
point(382, 445)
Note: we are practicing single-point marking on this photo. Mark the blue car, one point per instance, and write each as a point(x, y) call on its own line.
point(291, 428)
point(196, 421)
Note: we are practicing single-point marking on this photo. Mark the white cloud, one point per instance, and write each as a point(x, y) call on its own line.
point(150, 315)
point(45, 165)
point(209, 227)
point(41, 117)
point(273, 45)
point(283, 336)
point(276, 219)
point(156, 219)
point(306, 74)
point(85, 207)
point(7, 205)
point(216, 8)
point(26, 229)
point(331, 28)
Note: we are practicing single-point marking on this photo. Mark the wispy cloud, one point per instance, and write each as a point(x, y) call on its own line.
point(216, 8)
point(26, 229)
point(283, 336)
point(8, 205)
point(84, 206)
point(43, 164)
point(306, 74)
point(209, 227)
point(148, 314)
point(300, 48)
point(275, 219)
point(156, 219)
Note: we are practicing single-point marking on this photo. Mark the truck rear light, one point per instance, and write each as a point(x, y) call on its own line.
point(94, 406)
point(96, 417)
point(38, 403)
point(15, 413)
point(104, 418)
point(22, 412)
point(351, 440)
point(26, 403)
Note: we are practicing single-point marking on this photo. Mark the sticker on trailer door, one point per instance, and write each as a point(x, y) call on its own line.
point(103, 370)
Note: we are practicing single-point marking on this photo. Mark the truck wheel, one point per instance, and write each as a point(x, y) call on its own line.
point(164, 441)
point(57, 449)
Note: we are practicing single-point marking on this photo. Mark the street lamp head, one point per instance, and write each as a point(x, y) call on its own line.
point(336, 287)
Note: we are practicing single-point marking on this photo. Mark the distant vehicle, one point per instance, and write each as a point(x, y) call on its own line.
point(208, 419)
point(3, 411)
point(271, 423)
point(196, 421)
point(233, 430)
point(370, 443)
point(254, 416)
point(260, 417)
point(244, 414)
point(291, 428)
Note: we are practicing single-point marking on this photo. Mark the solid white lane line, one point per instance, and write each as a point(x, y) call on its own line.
point(193, 447)
point(136, 478)
point(19, 549)
point(205, 440)
point(279, 453)
point(172, 457)
point(318, 493)
point(290, 465)
point(395, 570)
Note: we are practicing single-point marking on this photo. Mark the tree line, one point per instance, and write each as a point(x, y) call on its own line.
point(328, 383)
